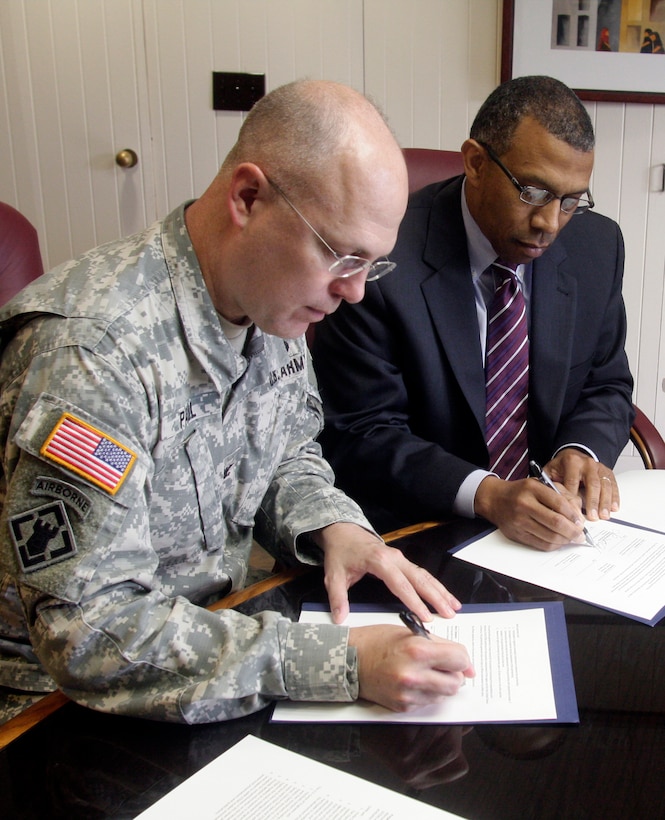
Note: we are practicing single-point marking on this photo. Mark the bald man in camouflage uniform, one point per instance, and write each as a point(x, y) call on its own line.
point(158, 412)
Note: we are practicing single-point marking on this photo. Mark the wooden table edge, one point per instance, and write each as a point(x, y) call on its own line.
point(50, 703)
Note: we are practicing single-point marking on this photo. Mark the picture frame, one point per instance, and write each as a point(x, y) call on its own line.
point(528, 46)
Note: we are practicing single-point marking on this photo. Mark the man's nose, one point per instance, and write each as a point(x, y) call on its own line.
point(350, 288)
point(548, 218)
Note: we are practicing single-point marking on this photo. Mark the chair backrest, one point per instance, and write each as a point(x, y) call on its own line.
point(20, 257)
point(648, 442)
point(426, 165)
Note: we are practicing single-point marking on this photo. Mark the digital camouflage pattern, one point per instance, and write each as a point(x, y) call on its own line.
point(115, 364)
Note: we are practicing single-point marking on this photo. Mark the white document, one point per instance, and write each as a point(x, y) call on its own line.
point(624, 572)
point(642, 499)
point(256, 780)
point(510, 652)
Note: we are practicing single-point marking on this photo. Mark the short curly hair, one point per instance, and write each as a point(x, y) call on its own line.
point(550, 102)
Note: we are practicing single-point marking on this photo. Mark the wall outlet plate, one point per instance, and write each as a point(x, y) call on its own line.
point(235, 91)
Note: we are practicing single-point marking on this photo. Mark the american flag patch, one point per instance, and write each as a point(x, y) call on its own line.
point(89, 453)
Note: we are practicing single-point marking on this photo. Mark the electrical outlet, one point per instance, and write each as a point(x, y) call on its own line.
point(235, 91)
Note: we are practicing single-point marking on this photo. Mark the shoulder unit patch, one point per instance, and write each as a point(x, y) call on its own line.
point(42, 536)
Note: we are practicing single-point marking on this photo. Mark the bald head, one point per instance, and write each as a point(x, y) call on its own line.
point(304, 131)
point(315, 174)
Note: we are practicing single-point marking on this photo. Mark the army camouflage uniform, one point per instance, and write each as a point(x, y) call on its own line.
point(141, 454)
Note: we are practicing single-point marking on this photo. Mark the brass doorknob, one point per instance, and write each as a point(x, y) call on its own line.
point(126, 158)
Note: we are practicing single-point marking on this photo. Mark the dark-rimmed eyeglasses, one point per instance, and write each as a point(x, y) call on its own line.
point(344, 265)
point(570, 203)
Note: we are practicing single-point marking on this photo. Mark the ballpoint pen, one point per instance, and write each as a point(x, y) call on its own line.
point(542, 476)
point(414, 623)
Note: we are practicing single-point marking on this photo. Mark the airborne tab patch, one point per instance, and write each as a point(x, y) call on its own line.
point(89, 452)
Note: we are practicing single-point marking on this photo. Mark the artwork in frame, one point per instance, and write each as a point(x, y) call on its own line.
point(608, 50)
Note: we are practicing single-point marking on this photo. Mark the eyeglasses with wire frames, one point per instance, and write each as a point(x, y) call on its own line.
point(570, 203)
point(344, 265)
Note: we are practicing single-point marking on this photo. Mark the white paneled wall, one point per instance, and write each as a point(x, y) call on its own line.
point(186, 40)
point(627, 186)
point(431, 64)
point(82, 79)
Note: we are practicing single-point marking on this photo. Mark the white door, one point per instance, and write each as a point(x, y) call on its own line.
point(73, 79)
point(81, 80)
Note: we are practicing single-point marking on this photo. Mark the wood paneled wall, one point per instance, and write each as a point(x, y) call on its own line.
point(82, 79)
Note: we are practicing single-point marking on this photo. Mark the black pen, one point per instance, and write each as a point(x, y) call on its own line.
point(542, 476)
point(414, 623)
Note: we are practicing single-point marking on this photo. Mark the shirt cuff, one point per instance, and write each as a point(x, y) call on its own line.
point(576, 446)
point(318, 663)
point(464, 503)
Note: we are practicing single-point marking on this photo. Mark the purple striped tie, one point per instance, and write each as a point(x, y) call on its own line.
point(507, 378)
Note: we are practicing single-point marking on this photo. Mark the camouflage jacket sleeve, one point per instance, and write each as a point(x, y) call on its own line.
point(104, 578)
point(100, 617)
point(302, 496)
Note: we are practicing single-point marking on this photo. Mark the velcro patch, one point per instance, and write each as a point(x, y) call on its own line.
point(42, 536)
point(89, 452)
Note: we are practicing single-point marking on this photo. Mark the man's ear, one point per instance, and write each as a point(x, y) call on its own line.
point(248, 184)
point(474, 156)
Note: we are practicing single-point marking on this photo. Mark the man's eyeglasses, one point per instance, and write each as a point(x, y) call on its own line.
point(343, 266)
point(570, 203)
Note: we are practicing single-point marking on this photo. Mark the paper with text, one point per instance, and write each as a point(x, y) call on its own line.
point(510, 651)
point(256, 780)
point(624, 573)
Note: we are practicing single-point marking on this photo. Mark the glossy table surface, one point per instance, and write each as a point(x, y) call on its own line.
point(79, 764)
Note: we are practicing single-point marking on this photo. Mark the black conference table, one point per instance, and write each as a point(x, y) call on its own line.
point(76, 763)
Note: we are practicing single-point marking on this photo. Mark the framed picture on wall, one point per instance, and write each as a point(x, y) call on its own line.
point(604, 49)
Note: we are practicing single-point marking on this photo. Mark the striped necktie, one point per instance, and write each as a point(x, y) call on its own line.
point(507, 378)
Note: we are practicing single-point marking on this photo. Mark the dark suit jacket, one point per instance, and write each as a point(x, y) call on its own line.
point(402, 377)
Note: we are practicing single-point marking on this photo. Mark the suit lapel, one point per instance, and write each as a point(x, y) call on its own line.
point(449, 295)
point(553, 304)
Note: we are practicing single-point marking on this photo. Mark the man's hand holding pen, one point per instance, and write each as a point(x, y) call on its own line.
point(401, 673)
point(540, 475)
point(530, 513)
point(394, 670)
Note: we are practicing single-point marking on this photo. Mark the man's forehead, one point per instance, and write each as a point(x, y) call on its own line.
point(548, 159)
point(366, 204)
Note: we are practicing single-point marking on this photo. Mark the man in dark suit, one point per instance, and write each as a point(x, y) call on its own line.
point(402, 374)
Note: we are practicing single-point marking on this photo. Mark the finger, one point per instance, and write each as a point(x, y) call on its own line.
point(558, 515)
point(433, 591)
point(438, 684)
point(449, 657)
point(549, 530)
point(407, 584)
point(609, 496)
point(338, 597)
point(592, 492)
point(572, 482)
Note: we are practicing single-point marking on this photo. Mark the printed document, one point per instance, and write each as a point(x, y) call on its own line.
point(256, 780)
point(520, 654)
point(624, 572)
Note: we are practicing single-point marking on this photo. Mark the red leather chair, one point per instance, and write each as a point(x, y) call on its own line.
point(20, 257)
point(426, 165)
